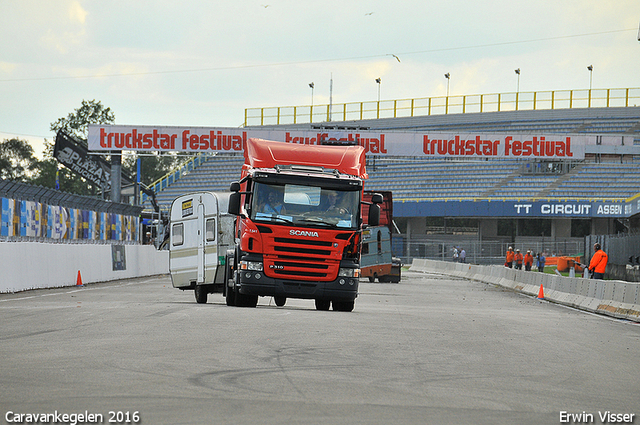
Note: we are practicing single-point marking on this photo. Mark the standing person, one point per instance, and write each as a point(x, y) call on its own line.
point(518, 258)
point(598, 262)
point(528, 261)
point(463, 255)
point(456, 255)
point(540, 262)
point(509, 260)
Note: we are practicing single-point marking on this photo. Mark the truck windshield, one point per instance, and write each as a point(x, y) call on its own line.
point(301, 205)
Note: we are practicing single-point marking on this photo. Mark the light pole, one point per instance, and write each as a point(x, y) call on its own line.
point(590, 68)
point(378, 80)
point(311, 108)
point(446, 107)
point(518, 87)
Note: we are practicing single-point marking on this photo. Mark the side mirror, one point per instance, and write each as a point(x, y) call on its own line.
point(374, 214)
point(234, 199)
point(377, 198)
point(234, 203)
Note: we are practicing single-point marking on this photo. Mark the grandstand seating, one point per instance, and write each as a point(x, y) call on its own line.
point(439, 179)
point(429, 178)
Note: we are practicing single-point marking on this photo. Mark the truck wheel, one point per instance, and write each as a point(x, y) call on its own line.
point(280, 301)
point(343, 305)
point(243, 300)
point(323, 305)
point(372, 279)
point(201, 294)
point(229, 291)
point(230, 296)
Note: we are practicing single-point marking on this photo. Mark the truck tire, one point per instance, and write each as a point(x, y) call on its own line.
point(243, 300)
point(229, 291)
point(280, 301)
point(343, 305)
point(201, 294)
point(323, 305)
point(230, 295)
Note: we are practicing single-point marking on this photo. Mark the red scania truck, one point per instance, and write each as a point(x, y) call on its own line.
point(299, 224)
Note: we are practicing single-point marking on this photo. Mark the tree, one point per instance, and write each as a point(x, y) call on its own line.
point(17, 161)
point(77, 122)
point(154, 166)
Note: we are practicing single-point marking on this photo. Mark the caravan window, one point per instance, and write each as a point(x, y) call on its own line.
point(210, 230)
point(177, 232)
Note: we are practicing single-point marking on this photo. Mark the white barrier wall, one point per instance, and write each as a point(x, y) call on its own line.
point(31, 265)
point(611, 297)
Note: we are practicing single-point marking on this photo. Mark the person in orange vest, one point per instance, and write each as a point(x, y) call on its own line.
point(518, 258)
point(598, 262)
point(528, 261)
point(509, 261)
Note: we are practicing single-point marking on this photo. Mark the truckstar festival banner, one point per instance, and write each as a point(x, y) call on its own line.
point(385, 143)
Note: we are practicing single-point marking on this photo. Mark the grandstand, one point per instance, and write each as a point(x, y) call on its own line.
point(601, 176)
point(488, 191)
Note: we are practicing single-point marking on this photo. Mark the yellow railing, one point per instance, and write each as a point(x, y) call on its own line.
point(496, 102)
point(185, 168)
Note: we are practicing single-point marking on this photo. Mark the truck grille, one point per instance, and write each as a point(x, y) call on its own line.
point(300, 258)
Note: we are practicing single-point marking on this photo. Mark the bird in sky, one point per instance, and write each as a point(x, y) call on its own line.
point(368, 14)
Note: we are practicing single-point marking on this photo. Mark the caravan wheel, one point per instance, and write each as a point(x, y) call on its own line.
point(201, 294)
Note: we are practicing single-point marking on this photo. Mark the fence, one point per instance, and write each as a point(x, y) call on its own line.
point(494, 102)
point(479, 252)
point(623, 252)
point(35, 213)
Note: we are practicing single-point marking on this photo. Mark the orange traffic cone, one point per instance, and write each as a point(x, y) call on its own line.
point(541, 293)
point(79, 280)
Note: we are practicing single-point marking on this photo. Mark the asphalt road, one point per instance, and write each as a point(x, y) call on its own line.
point(430, 350)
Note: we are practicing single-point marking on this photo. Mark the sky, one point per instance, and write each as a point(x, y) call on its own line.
point(202, 62)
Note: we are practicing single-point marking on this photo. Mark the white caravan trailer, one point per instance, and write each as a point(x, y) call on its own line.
point(201, 233)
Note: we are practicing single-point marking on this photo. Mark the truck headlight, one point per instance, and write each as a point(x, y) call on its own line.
point(251, 265)
point(349, 272)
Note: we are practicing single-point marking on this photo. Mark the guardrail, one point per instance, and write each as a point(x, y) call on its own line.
point(493, 102)
point(609, 297)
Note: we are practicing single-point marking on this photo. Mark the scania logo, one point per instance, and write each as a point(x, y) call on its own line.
point(303, 233)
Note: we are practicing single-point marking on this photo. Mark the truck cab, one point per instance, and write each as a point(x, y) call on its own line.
point(299, 227)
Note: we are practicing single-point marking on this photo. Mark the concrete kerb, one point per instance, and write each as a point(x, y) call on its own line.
point(613, 298)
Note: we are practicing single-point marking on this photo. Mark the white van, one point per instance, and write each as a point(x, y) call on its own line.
point(201, 233)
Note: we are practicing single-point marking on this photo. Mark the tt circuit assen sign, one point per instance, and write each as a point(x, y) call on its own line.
point(510, 208)
point(391, 143)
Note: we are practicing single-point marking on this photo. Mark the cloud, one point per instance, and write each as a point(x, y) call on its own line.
point(77, 13)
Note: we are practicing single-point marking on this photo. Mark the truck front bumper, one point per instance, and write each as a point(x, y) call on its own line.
point(256, 283)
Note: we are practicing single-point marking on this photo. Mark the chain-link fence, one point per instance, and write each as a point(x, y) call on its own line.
point(480, 252)
point(623, 252)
